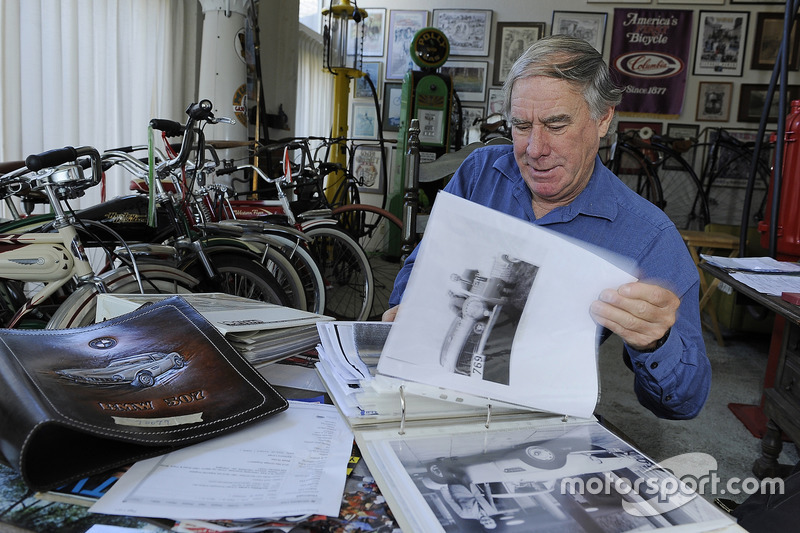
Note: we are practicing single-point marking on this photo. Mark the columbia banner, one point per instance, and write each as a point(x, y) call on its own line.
point(650, 54)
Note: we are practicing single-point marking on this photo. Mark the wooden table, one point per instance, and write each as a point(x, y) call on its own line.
point(781, 398)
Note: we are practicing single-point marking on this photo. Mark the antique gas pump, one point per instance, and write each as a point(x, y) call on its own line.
point(342, 40)
point(428, 97)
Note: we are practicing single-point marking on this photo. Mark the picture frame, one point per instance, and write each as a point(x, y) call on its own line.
point(753, 97)
point(364, 120)
point(617, 1)
point(511, 40)
point(361, 88)
point(367, 167)
point(767, 2)
point(495, 102)
point(721, 43)
point(403, 24)
point(374, 31)
point(767, 42)
point(692, 2)
point(589, 26)
point(628, 165)
point(392, 93)
point(714, 101)
point(469, 79)
point(471, 132)
point(468, 30)
point(682, 131)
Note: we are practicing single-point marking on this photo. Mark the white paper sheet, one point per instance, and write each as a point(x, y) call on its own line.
point(549, 357)
point(293, 463)
point(751, 264)
point(773, 284)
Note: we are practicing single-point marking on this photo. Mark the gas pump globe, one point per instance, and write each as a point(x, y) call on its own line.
point(343, 38)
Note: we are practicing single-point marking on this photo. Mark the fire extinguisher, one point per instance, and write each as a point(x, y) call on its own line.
point(788, 222)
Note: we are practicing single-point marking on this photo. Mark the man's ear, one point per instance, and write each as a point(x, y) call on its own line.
point(605, 122)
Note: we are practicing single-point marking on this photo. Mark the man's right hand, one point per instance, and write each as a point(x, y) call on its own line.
point(390, 314)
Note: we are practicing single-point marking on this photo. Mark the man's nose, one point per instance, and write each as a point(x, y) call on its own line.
point(537, 144)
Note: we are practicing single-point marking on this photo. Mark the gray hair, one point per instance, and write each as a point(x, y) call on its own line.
point(573, 60)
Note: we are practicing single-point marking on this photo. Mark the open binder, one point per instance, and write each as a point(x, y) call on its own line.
point(478, 413)
point(81, 401)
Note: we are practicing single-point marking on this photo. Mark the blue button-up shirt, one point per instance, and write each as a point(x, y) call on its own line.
point(672, 381)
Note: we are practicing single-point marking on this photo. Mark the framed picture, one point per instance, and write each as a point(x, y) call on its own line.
point(721, 38)
point(374, 31)
point(714, 101)
point(694, 2)
point(753, 99)
point(495, 103)
point(471, 131)
point(617, 1)
point(364, 120)
point(392, 93)
point(469, 79)
point(367, 168)
point(511, 40)
point(628, 165)
point(403, 24)
point(769, 34)
point(682, 131)
point(590, 27)
point(776, 2)
point(468, 30)
point(361, 88)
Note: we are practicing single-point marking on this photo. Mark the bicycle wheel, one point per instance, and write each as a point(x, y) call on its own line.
point(632, 168)
point(345, 270)
point(682, 194)
point(726, 172)
point(80, 307)
point(238, 274)
point(379, 233)
point(282, 268)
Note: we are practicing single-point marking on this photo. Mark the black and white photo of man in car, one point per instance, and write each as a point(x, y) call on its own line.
point(487, 309)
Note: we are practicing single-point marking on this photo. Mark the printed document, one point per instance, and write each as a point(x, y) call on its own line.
point(292, 464)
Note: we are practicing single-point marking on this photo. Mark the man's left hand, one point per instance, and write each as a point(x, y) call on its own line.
point(638, 312)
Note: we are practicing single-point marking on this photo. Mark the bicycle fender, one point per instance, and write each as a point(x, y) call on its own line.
point(307, 225)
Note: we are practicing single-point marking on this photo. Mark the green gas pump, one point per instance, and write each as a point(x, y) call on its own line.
point(427, 96)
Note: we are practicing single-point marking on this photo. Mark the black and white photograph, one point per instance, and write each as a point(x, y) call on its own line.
point(468, 30)
point(392, 94)
point(362, 87)
point(721, 39)
point(591, 27)
point(714, 101)
point(511, 39)
point(470, 124)
point(579, 478)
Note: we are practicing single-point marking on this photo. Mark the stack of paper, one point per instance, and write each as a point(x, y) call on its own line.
point(260, 331)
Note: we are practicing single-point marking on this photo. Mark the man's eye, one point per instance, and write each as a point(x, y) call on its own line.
point(522, 127)
point(556, 127)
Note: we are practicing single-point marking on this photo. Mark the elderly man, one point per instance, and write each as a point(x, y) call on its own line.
point(559, 100)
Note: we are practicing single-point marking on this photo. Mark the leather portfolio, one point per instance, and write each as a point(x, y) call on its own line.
point(74, 402)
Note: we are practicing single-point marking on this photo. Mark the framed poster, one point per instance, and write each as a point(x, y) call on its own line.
point(367, 168)
point(495, 103)
point(714, 101)
point(687, 132)
point(364, 120)
point(769, 35)
point(361, 88)
point(753, 99)
point(469, 79)
point(392, 93)
point(374, 32)
point(721, 38)
point(471, 131)
point(590, 27)
point(403, 24)
point(468, 30)
point(511, 40)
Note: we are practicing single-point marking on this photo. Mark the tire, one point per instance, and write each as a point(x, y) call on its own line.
point(630, 167)
point(684, 200)
point(144, 379)
point(542, 456)
point(80, 307)
point(279, 265)
point(239, 274)
point(379, 233)
point(345, 270)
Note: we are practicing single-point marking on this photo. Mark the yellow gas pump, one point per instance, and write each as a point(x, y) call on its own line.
point(343, 22)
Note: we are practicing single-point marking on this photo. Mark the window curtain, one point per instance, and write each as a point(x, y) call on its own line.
point(93, 72)
point(314, 87)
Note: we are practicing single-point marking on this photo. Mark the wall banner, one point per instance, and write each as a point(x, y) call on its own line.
point(649, 56)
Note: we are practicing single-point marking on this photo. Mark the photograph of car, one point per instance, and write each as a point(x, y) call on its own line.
point(140, 370)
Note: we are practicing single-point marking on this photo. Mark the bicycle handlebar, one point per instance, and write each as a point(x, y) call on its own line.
point(51, 158)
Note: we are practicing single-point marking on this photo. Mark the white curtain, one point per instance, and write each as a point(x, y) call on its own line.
point(93, 72)
point(314, 87)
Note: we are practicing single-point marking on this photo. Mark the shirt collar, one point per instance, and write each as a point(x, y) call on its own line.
point(596, 200)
